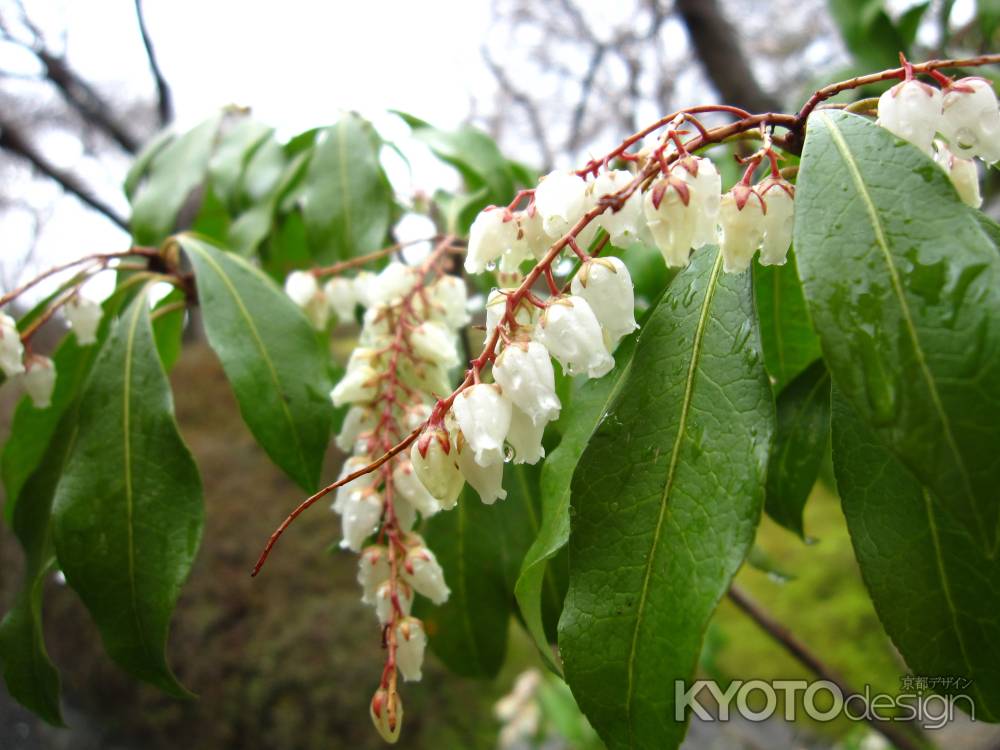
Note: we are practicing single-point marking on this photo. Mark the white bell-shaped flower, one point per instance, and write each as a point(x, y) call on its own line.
point(971, 119)
point(705, 184)
point(487, 481)
point(357, 421)
point(491, 234)
point(364, 286)
point(607, 286)
point(411, 642)
point(363, 482)
point(436, 466)
point(358, 385)
point(779, 220)
point(373, 571)
point(525, 437)
point(963, 173)
point(428, 377)
point(393, 283)
point(84, 316)
point(450, 298)
point(434, 343)
point(383, 601)
point(375, 333)
point(742, 227)
point(39, 380)
point(303, 289)
point(524, 372)
point(496, 305)
point(424, 574)
point(561, 199)
point(483, 415)
point(622, 225)
point(911, 110)
point(342, 297)
point(410, 488)
point(404, 512)
point(570, 331)
point(672, 219)
point(531, 234)
point(360, 514)
point(11, 348)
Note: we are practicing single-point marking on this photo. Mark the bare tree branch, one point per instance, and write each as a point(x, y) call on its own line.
point(718, 48)
point(165, 100)
point(14, 141)
point(529, 107)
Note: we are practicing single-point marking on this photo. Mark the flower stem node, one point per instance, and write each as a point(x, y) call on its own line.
point(570, 332)
point(11, 348)
point(434, 462)
point(84, 316)
point(39, 380)
point(741, 219)
point(483, 415)
point(524, 372)
point(606, 285)
point(971, 119)
point(911, 110)
point(386, 711)
point(411, 642)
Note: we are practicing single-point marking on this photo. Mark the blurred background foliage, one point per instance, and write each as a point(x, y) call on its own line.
point(288, 660)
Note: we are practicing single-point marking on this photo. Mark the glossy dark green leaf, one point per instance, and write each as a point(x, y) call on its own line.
point(786, 333)
point(174, 171)
point(666, 500)
point(271, 356)
point(578, 421)
point(937, 594)
point(128, 512)
point(140, 165)
point(346, 200)
point(800, 439)
point(903, 287)
point(237, 146)
point(869, 33)
point(213, 219)
point(480, 549)
point(168, 327)
point(28, 672)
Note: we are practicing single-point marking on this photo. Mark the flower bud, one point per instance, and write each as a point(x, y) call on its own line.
point(84, 316)
point(357, 386)
point(483, 415)
point(911, 110)
point(303, 289)
point(434, 463)
point(423, 572)
point(971, 119)
point(392, 284)
point(491, 234)
point(11, 348)
point(383, 601)
point(357, 421)
point(571, 333)
point(410, 488)
point(373, 571)
point(672, 219)
point(386, 711)
point(963, 173)
point(607, 286)
point(39, 380)
point(742, 227)
point(448, 294)
point(411, 642)
point(525, 437)
point(778, 222)
point(560, 199)
point(434, 343)
point(341, 297)
point(487, 481)
point(360, 513)
point(524, 372)
point(351, 465)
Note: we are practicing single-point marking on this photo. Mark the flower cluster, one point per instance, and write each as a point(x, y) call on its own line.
point(407, 346)
point(965, 113)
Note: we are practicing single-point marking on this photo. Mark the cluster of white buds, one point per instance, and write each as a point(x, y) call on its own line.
point(407, 346)
point(965, 113)
point(33, 373)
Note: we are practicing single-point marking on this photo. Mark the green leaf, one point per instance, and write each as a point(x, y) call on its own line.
point(666, 499)
point(903, 286)
point(786, 333)
point(175, 170)
point(936, 593)
point(578, 422)
point(869, 33)
point(28, 672)
point(800, 440)
point(235, 150)
point(346, 199)
point(141, 164)
point(128, 510)
point(271, 356)
point(168, 327)
point(480, 549)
